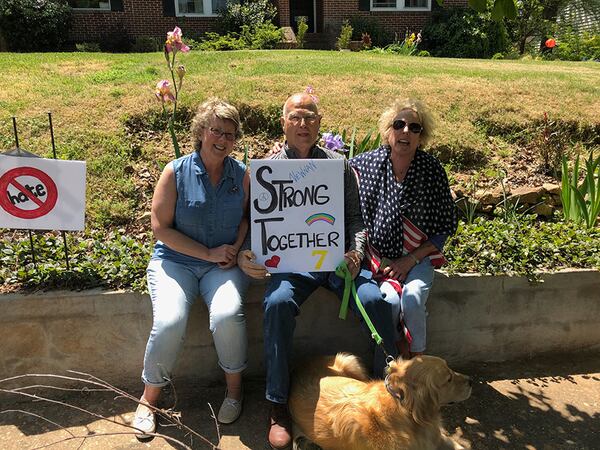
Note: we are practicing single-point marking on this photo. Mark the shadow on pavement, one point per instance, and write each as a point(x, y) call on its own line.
point(548, 402)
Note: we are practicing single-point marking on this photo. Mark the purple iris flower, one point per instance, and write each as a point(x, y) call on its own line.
point(333, 141)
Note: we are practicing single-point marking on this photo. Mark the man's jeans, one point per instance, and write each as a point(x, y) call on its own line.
point(174, 287)
point(284, 296)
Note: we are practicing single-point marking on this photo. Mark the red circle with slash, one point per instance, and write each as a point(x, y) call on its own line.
point(43, 207)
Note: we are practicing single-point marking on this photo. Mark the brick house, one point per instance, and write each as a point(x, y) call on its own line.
point(93, 19)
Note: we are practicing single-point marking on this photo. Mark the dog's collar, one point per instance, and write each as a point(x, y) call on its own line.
point(393, 393)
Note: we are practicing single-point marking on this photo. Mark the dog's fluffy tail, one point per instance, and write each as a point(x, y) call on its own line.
point(347, 365)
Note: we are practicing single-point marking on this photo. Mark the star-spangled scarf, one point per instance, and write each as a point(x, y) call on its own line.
point(423, 197)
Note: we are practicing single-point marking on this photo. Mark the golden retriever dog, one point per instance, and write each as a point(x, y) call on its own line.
point(336, 406)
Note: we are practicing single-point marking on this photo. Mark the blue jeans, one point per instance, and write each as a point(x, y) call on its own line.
point(412, 305)
point(174, 287)
point(284, 296)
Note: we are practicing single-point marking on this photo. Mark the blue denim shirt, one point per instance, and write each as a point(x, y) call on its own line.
point(210, 215)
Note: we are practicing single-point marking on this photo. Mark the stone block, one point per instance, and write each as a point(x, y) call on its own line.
point(526, 195)
point(551, 188)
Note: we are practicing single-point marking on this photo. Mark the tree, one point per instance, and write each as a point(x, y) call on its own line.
point(539, 18)
point(500, 8)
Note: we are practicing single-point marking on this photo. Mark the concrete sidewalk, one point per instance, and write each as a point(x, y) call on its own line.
point(550, 402)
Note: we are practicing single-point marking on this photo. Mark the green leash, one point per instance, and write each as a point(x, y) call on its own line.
point(342, 271)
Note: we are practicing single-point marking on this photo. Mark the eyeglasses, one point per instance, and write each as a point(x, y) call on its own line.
point(413, 127)
point(218, 133)
point(309, 119)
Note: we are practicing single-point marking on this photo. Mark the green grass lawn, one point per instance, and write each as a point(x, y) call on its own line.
point(104, 112)
point(481, 105)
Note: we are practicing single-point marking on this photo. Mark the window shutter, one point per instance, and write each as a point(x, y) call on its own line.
point(169, 8)
point(117, 5)
point(364, 5)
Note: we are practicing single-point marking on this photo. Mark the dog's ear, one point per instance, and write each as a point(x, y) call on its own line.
point(421, 397)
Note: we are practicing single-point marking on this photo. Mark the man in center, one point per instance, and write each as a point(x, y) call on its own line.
point(286, 292)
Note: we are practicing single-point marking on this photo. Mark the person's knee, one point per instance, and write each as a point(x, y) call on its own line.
point(228, 316)
point(279, 300)
point(371, 297)
point(414, 296)
point(172, 326)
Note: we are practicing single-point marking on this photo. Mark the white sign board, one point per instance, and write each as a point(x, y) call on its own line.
point(41, 194)
point(297, 214)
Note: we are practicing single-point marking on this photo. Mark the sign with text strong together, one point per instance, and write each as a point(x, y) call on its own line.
point(297, 214)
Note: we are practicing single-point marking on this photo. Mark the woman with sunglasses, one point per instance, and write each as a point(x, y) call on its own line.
point(199, 219)
point(409, 213)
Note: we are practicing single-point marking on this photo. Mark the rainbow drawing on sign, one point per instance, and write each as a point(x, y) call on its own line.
point(320, 217)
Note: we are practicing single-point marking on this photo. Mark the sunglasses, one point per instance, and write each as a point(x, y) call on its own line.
point(413, 127)
point(218, 133)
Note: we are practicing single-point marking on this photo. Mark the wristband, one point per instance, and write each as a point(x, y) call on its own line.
point(414, 258)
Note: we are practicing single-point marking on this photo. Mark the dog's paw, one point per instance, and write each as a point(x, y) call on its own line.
point(303, 443)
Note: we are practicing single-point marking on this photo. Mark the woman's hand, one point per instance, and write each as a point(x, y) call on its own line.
point(399, 268)
point(223, 255)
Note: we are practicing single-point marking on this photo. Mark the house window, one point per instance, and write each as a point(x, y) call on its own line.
point(90, 4)
point(199, 7)
point(384, 4)
point(399, 5)
point(416, 3)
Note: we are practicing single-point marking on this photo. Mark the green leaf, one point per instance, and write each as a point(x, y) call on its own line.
point(478, 5)
point(509, 8)
point(582, 206)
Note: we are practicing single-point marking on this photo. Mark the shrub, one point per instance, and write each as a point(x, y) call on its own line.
point(371, 26)
point(302, 29)
point(573, 46)
point(34, 25)
point(343, 41)
point(146, 44)
point(252, 14)
point(464, 33)
point(424, 53)
point(215, 41)
point(115, 39)
point(88, 47)
point(264, 36)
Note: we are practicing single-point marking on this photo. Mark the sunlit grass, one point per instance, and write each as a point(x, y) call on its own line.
point(91, 94)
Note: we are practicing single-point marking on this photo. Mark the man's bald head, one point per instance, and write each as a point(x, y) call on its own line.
point(301, 100)
point(300, 123)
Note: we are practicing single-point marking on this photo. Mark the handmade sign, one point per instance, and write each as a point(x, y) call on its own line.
point(41, 194)
point(297, 214)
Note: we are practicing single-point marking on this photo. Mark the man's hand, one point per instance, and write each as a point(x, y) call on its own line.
point(245, 260)
point(277, 148)
point(399, 268)
point(353, 262)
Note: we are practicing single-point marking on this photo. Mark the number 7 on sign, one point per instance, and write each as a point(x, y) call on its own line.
point(322, 254)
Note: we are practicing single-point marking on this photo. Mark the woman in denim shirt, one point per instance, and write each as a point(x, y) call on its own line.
point(199, 218)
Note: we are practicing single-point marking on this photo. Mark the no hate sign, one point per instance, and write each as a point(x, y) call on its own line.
point(41, 194)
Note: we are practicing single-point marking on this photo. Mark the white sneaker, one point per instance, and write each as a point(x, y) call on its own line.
point(230, 410)
point(144, 421)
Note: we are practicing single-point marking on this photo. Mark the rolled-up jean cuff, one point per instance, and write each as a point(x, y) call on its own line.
point(158, 385)
point(238, 370)
point(275, 400)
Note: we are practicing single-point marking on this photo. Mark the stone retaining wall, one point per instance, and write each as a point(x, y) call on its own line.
point(471, 318)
